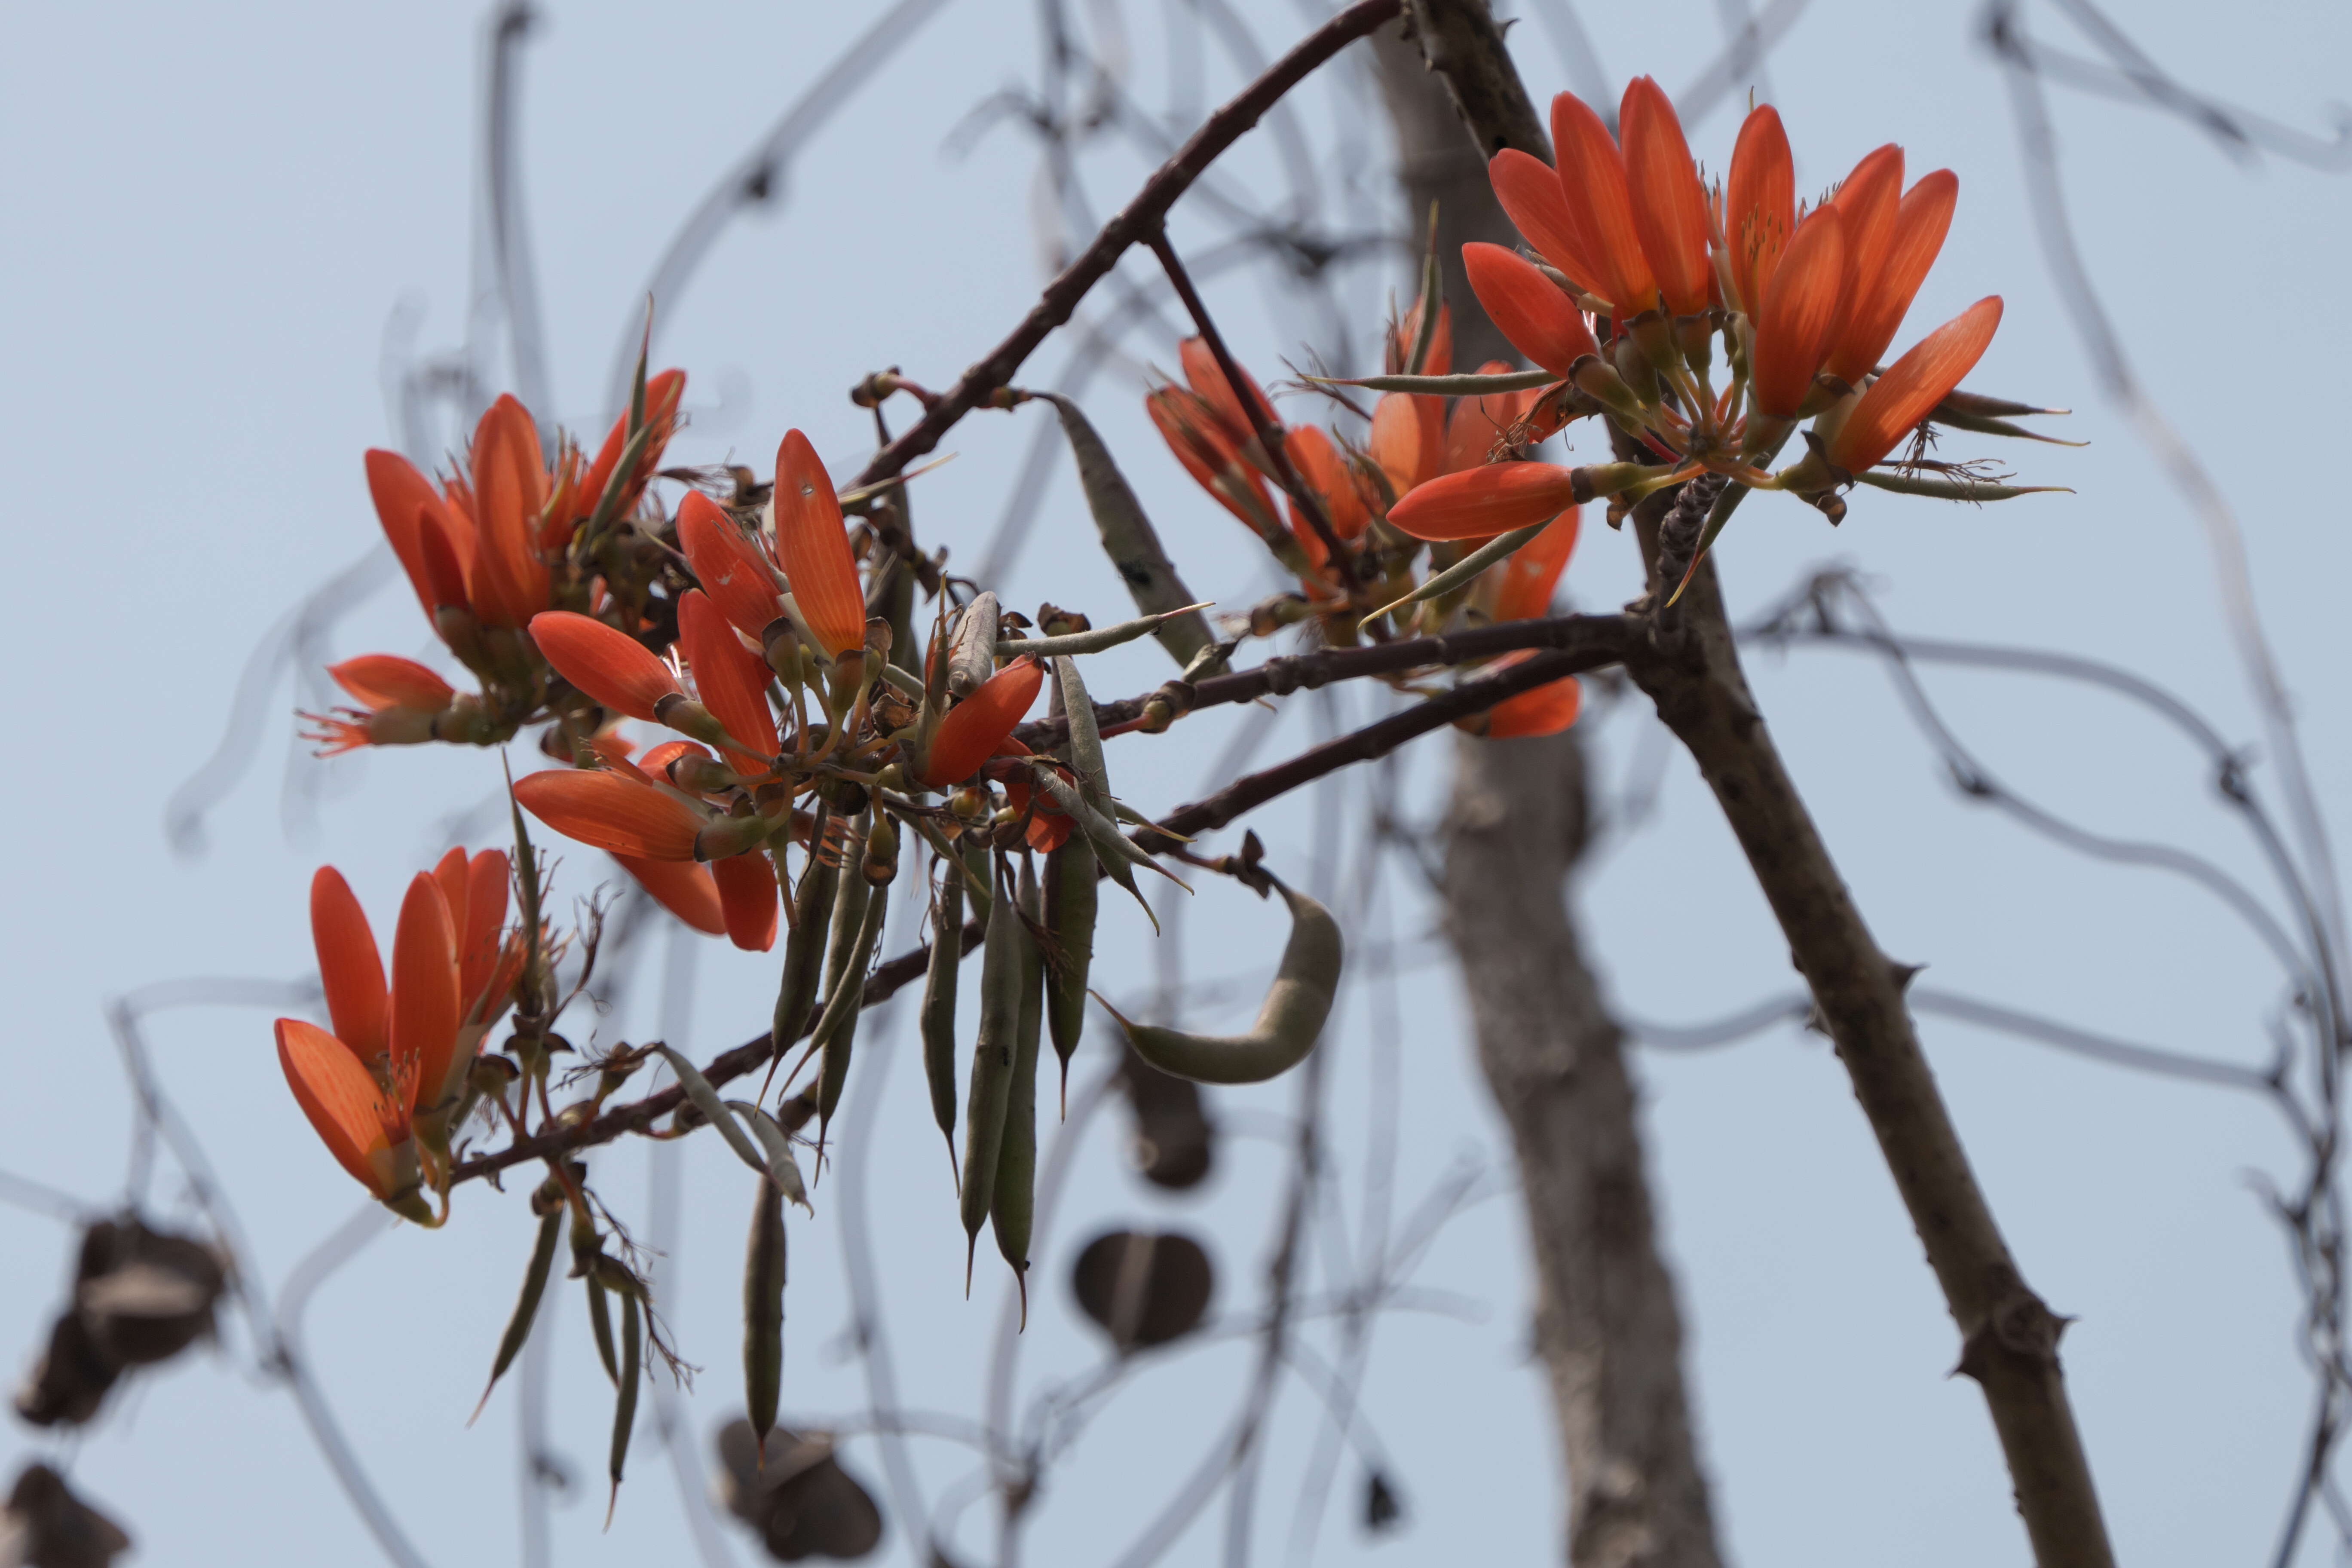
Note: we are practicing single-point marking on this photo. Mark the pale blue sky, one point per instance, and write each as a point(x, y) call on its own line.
point(210, 217)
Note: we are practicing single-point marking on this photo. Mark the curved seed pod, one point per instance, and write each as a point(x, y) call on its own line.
point(992, 1070)
point(938, 1011)
point(1130, 542)
point(1289, 1023)
point(804, 948)
point(848, 911)
point(972, 650)
point(1012, 1209)
point(1463, 570)
point(1070, 908)
point(837, 1032)
point(1086, 737)
point(705, 1100)
point(776, 1145)
point(1097, 638)
point(1462, 385)
point(624, 1407)
point(600, 1321)
point(764, 1311)
point(534, 1284)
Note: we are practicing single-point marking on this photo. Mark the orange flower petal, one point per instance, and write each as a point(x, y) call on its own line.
point(345, 1107)
point(1921, 220)
point(1669, 207)
point(1477, 423)
point(508, 581)
point(662, 395)
point(1912, 386)
point(813, 546)
point(1480, 502)
point(386, 680)
point(351, 971)
point(1205, 376)
point(731, 680)
point(1592, 175)
point(1799, 312)
point(684, 888)
point(1441, 342)
point(1547, 711)
point(424, 1006)
point(480, 956)
point(1527, 307)
point(1530, 193)
point(1868, 200)
point(1195, 434)
point(727, 563)
point(1760, 203)
point(747, 898)
point(975, 727)
point(1328, 474)
point(610, 666)
point(1406, 440)
point(611, 812)
point(400, 493)
point(1524, 582)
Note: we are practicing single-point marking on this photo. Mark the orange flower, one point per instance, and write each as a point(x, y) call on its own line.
point(612, 811)
point(729, 566)
point(1194, 432)
point(1048, 828)
point(975, 727)
point(813, 544)
point(1760, 203)
point(747, 898)
point(1441, 342)
point(1592, 177)
point(609, 667)
point(731, 679)
point(1327, 473)
point(662, 395)
point(1483, 501)
point(408, 507)
point(1799, 312)
point(1531, 196)
point(1477, 423)
point(1527, 307)
point(394, 1055)
point(1866, 202)
point(1523, 583)
point(1912, 387)
point(380, 681)
point(685, 887)
point(1669, 207)
point(1875, 307)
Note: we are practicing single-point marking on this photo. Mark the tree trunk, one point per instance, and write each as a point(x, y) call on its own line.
point(1607, 1327)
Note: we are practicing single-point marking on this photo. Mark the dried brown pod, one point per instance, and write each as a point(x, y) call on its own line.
point(802, 1503)
point(1143, 1288)
point(140, 1296)
point(1383, 1509)
point(1174, 1143)
point(45, 1526)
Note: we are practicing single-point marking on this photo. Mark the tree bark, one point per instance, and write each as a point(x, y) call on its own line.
point(1689, 666)
point(1607, 1328)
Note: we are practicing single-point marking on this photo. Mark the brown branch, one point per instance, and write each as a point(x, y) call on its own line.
point(1470, 697)
point(1690, 668)
point(1137, 221)
point(1591, 634)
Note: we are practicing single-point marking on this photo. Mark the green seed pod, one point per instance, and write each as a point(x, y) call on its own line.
point(939, 1012)
point(977, 886)
point(848, 913)
point(1086, 740)
point(972, 651)
point(764, 1311)
point(1289, 1023)
point(992, 1069)
point(1013, 1205)
point(804, 948)
point(534, 1284)
point(1070, 908)
point(624, 1407)
point(837, 1032)
point(600, 1321)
